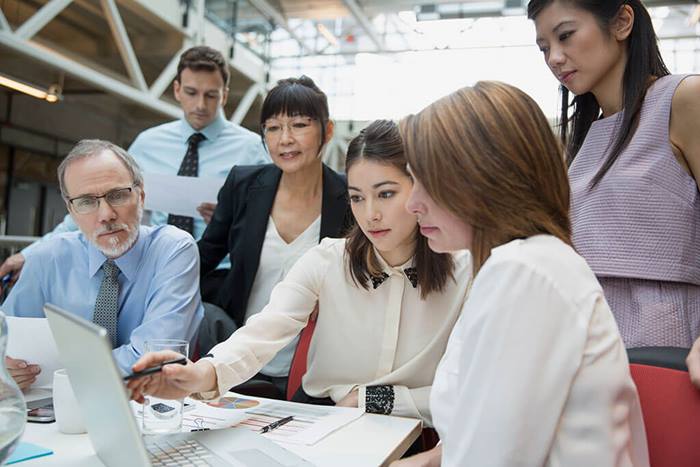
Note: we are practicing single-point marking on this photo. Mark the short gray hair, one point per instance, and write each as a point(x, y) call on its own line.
point(93, 147)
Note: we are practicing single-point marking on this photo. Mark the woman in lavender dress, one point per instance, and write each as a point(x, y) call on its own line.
point(633, 147)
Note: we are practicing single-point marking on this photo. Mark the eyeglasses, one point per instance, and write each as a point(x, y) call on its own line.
point(296, 127)
point(88, 204)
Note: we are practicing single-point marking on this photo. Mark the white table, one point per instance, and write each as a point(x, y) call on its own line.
point(371, 440)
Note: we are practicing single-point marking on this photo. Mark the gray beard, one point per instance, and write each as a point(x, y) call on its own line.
point(117, 248)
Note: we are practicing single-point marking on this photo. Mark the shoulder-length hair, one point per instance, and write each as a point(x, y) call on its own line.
point(644, 63)
point(488, 155)
point(380, 142)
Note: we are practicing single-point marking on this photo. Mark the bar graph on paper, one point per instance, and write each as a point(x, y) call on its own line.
point(305, 417)
point(310, 424)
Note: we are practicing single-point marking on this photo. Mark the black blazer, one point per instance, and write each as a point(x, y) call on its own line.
point(240, 220)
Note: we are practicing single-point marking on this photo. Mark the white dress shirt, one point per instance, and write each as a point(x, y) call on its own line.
point(382, 336)
point(276, 259)
point(535, 372)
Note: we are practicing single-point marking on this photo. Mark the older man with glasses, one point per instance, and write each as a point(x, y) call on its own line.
point(137, 282)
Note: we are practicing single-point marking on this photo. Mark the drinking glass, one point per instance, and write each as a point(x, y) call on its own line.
point(163, 415)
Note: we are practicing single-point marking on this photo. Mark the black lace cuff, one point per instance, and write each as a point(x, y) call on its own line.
point(379, 399)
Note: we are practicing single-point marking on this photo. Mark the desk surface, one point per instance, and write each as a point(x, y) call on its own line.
point(371, 440)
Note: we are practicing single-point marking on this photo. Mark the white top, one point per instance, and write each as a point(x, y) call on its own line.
point(276, 259)
point(387, 335)
point(535, 372)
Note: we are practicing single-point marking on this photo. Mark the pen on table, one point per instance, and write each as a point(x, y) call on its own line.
point(155, 369)
point(276, 424)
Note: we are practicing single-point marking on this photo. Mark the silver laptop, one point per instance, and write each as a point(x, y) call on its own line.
point(86, 352)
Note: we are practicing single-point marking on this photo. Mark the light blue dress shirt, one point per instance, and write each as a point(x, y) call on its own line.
point(161, 149)
point(158, 286)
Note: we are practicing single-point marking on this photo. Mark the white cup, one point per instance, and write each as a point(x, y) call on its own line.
point(66, 408)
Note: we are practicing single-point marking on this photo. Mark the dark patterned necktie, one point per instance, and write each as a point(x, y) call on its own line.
point(107, 304)
point(188, 168)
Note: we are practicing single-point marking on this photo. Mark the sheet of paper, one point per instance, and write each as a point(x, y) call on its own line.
point(30, 339)
point(180, 195)
point(311, 423)
point(199, 416)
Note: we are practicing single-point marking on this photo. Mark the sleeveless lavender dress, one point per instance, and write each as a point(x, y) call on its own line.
point(639, 227)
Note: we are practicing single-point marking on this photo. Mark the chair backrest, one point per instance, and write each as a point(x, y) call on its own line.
point(670, 405)
point(298, 366)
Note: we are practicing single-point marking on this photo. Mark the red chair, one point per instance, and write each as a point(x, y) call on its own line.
point(670, 405)
point(298, 366)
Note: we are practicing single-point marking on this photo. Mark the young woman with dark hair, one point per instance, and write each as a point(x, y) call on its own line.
point(633, 147)
point(535, 372)
point(386, 304)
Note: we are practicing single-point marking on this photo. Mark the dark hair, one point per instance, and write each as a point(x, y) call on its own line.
point(643, 62)
point(488, 155)
point(296, 97)
point(204, 58)
point(381, 142)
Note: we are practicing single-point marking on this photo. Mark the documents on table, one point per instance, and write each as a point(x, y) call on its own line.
point(180, 195)
point(310, 424)
point(30, 339)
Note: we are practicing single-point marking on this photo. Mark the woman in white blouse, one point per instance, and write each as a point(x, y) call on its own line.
point(387, 304)
point(535, 372)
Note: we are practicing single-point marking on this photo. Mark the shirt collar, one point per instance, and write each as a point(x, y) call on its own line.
point(386, 268)
point(128, 263)
point(211, 131)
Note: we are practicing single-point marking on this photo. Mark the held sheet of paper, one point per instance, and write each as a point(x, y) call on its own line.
point(180, 195)
point(311, 423)
point(30, 339)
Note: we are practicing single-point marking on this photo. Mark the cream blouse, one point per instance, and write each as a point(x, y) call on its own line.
point(535, 372)
point(382, 336)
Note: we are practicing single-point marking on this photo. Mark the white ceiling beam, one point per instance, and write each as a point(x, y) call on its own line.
point(41, 18)
point(123, 42)
point(88, 75)
point(264, 7)
point(167, 75)
point(4, 25)
point(245, 104)
point(365, 23)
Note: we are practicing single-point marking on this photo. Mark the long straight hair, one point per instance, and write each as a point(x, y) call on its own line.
point(488, 155)
point(381, 142)
point(644, 64)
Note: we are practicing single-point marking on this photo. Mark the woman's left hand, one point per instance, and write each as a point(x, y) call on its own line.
point(350, 400)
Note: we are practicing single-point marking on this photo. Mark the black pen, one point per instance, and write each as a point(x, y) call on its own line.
point(276, 424)
point(155, 369)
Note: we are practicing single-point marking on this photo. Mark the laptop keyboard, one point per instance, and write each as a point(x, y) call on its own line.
point(184, 452)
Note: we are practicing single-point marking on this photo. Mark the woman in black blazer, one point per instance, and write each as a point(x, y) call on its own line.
point(293, 191)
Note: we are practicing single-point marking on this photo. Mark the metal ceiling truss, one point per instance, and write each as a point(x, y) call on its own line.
point(246, 102)
point(270, 12)
point(365, 23)
point(135, 90)
point(4, 25)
